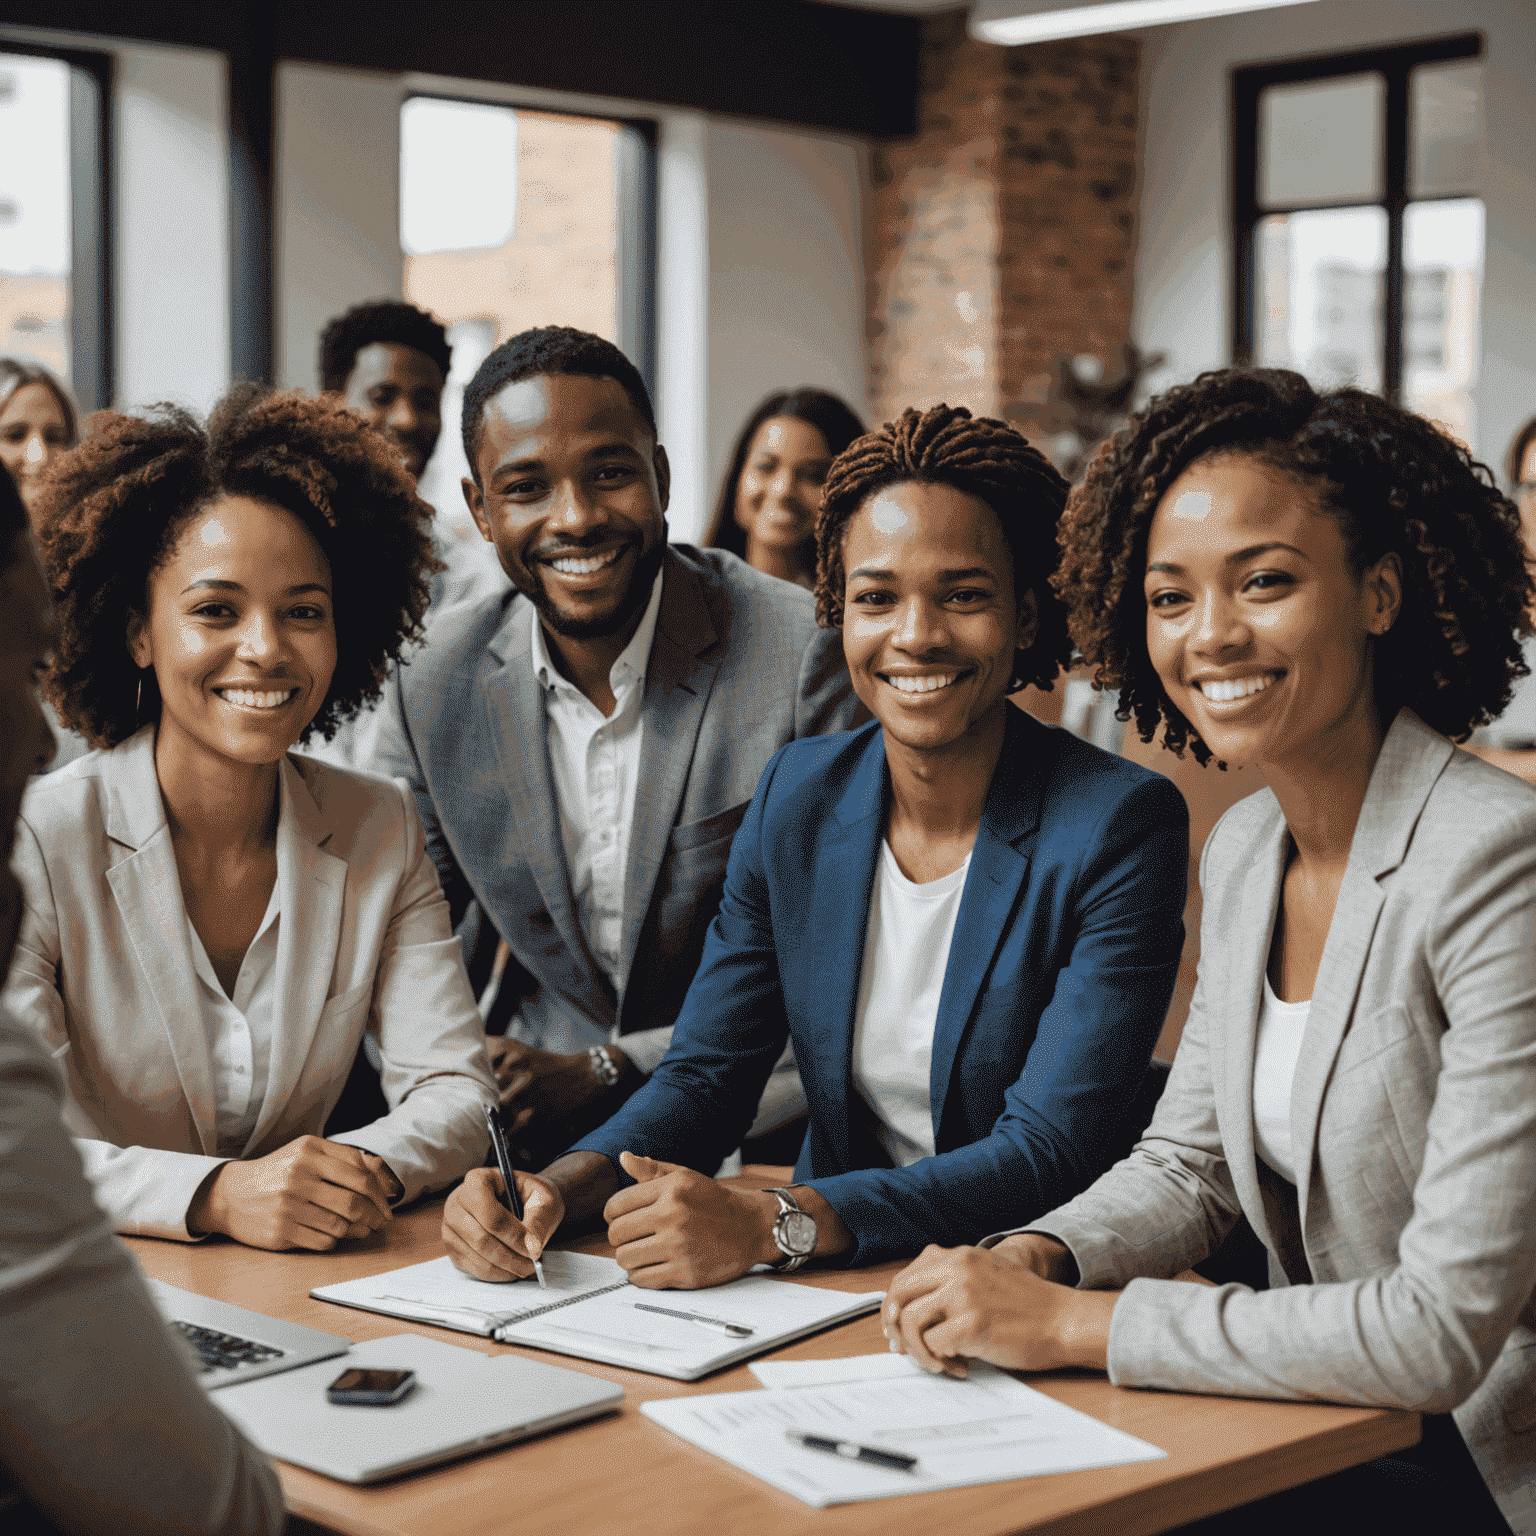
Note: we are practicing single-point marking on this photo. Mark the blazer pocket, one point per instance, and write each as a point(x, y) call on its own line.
point(696, 834)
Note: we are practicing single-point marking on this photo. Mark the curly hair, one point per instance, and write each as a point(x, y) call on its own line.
point(114, 507)
point(1395, 482)
point(985, 458)
point(548, 351)
point(390, 320)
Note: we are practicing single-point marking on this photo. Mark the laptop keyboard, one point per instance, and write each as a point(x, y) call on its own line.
point(217, 1351)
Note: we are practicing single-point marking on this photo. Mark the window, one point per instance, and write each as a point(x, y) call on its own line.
point(53, 288)
point(512, 218)
point(1359, 232)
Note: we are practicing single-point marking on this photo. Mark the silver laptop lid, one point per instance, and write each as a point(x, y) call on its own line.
point(464, 1401)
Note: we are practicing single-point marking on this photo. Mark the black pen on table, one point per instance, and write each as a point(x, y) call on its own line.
point(513, 1201)
point(852, 1451)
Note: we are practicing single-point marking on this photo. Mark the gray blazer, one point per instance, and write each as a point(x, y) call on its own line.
point(1403, 1263)
point(738, 668)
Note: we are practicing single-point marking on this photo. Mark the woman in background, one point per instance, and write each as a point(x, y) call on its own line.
point(772, 491)
point(38, 422)
point(212, 924)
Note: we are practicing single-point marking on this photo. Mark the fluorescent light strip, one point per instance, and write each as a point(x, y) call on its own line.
point(1113, 16)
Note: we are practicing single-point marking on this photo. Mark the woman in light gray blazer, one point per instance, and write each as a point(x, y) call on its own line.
point(212, 924)
point(1326, 587)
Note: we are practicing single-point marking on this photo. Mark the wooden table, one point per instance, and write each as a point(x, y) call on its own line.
point(624, 1474)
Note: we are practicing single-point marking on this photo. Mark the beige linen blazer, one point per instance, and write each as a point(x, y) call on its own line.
point(104, 974)
point(1402, 1263)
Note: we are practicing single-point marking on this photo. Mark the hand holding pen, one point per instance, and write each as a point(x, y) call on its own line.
point(485, 1228)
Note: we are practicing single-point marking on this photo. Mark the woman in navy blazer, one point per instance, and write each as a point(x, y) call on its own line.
point(937, 536)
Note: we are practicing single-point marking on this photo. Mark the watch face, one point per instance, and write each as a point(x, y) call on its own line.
point(799, 1232)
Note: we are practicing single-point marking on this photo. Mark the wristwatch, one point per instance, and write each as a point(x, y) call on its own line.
point(604, 1067)
point(794, 1233)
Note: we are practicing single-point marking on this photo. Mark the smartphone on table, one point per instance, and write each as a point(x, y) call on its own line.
point(373, 1389)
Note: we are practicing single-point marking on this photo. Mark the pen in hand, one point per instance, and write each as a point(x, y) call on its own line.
point(513, 1201)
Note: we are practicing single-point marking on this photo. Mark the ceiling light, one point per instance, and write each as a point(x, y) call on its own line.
point(1011, 22)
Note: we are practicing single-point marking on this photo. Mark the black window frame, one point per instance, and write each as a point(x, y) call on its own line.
point(92, 351)
point(637, 281)
point(1249, 82)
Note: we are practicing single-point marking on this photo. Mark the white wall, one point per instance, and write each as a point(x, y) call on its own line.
point(759, 237)
point(1184, 259)
point(172, 295)
point(170, 153)
point(786, 273)
point(337, 205)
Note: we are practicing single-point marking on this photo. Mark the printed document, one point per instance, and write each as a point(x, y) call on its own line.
point(987, 1428)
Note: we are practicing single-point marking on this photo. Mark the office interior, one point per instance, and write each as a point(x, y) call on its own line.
point(871, 198)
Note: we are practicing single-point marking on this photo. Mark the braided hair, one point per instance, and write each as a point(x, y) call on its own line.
point(984, 458)
point(1394, 481)
point(113, 509)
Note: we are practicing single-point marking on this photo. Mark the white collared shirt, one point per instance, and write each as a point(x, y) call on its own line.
point(239, 1029)
point(595, 762)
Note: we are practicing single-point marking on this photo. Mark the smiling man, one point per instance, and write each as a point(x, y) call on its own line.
point(583, 749)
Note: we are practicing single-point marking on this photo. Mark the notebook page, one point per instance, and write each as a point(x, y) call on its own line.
point(436, 1292)
point(614, 1326)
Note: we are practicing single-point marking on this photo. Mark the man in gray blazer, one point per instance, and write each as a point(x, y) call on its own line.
point(583, 749)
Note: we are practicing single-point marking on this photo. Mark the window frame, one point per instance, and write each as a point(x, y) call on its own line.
point(637, 278)
point(1249, 82)
point(92, 360)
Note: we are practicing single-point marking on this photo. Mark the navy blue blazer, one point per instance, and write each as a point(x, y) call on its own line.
point(1060, 970)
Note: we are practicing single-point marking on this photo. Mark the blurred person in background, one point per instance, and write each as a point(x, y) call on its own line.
point(103, 1427)
point(771, 494)
point(1510, 741)
point(38, 423)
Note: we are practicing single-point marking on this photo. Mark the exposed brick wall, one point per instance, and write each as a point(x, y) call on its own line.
point(1002, 235)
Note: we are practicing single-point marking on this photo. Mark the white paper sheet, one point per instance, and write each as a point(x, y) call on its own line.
point(988, 1428)
point(436, 1292)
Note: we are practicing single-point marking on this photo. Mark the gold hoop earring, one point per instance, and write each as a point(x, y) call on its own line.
point(138, 700)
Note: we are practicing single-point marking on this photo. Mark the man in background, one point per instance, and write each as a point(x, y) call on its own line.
point(582, 754)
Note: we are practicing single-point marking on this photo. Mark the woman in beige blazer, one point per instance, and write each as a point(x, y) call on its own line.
point(211, 923)
point(1327, 588)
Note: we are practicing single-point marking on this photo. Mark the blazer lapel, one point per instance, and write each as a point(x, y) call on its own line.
point(677, 688)
point(514, 714)
point(1412, 758)
point(147, 889)
point(314, 889)
point(999, 868)
point(836, 925)
point(1234, 1026)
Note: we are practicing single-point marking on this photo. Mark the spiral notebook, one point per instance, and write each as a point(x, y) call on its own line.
point(591, 1311)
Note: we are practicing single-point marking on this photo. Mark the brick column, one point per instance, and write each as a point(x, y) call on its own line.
point(1002, 235)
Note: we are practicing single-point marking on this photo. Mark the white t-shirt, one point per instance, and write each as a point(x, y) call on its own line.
point(1281, 1026)
point(239, 1029)
point(906, 952)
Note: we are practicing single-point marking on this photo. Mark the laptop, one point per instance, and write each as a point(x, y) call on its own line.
point(228, 1344)
point(463, 1402)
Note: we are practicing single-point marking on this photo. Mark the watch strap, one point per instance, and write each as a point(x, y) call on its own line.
point(604, 1068)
